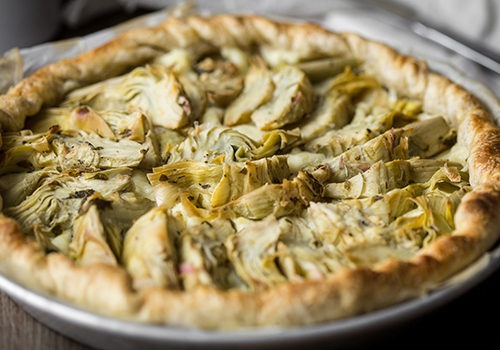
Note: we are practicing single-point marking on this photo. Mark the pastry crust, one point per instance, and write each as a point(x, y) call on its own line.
point(346, 293)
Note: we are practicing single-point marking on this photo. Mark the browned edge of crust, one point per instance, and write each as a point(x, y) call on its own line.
point(349, 292)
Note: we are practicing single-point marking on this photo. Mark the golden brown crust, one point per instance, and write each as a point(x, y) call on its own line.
point(349, 292)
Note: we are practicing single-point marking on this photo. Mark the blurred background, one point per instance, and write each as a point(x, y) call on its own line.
point(24, 23)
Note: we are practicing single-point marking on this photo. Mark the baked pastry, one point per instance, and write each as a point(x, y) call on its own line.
point(233, 171)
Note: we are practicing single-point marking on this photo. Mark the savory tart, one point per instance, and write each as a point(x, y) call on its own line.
point(233, 171)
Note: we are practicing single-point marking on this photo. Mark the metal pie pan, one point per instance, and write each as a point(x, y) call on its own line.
point(108, 333)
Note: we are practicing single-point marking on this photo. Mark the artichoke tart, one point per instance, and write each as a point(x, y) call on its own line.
point(226, 172)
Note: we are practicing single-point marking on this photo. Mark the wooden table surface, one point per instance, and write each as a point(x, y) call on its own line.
point(471, 317)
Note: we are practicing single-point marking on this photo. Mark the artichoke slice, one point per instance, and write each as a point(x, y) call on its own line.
point(253, 251)
point(181, 62)
point(89, 245)
point(185, 178)
point(81, 151)
point(324, 68)
point(85, 119)
point(292, 100)
point(64, 151)
point(16, 187)
point(221, 80)
point(258, 89)
point(204, 258)
point(290, 197)
point(336, 108)
point(110, 124)
point(207, 143)
point(420, 139)
point(382, 178)
point(211, 185)
point(48, 211)
point(361, 129)
point(149, 253)
point(301, 255)
point(152, 90)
